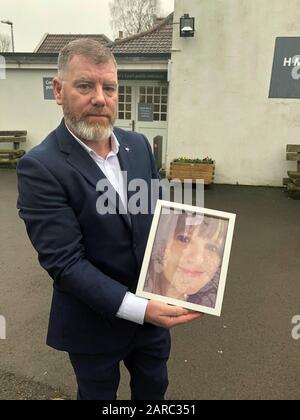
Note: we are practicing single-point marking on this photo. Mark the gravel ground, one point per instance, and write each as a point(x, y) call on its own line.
point(13, 387)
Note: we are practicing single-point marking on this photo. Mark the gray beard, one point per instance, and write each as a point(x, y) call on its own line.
point(85, 132)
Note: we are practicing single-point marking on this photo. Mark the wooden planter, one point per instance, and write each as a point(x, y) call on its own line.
point(193, 171)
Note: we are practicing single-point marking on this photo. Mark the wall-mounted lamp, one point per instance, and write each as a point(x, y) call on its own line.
point(187, 26)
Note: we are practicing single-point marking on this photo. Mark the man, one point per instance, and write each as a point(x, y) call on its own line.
point(95, 259)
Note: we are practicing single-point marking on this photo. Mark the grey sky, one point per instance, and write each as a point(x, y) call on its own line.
point(33, 18)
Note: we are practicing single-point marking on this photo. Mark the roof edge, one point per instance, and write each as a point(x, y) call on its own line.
point(55, 54)
point(146, 55)
point(51, 58)
point(108, 40)
point(40, 43)
point(28, 54)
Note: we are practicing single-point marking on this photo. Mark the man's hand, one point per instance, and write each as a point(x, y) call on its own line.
point(167, 316)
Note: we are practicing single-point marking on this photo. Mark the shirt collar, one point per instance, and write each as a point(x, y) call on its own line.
point(115, 145)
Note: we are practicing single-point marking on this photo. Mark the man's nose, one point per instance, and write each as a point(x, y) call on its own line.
point(98, 98)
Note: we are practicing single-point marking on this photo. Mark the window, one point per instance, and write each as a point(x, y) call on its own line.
point(159, 97)
point(125, 103)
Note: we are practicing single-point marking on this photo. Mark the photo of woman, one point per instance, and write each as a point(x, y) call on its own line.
point(187, 257)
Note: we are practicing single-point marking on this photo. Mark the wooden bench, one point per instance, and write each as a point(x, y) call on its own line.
point(293, 181)
point(13, 154)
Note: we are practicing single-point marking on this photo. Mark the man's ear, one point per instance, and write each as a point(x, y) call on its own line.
point(57, 87)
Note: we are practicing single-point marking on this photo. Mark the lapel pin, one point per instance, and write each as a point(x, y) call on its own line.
point(127, 149)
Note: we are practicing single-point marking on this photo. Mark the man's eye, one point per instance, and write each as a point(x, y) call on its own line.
point(84, 86)
point(110, 89)
point(183, 239)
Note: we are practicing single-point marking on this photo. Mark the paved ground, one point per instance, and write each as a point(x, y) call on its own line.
point(248, 353)
point(15, 387)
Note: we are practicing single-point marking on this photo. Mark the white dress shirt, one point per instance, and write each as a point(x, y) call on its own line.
point(133, 308)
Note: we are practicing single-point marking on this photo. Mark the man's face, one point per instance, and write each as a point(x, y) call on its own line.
point(88, 93)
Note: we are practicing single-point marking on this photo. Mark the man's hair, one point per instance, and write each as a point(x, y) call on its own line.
point(86, 47)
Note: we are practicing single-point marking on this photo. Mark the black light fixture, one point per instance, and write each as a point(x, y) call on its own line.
point(187, 26)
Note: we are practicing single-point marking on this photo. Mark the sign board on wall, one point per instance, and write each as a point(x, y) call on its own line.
point(146, 112)
point(139, 75)
point(48, 88)
point(285, 80)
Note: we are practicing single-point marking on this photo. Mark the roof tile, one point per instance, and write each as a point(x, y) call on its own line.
point(156, 40)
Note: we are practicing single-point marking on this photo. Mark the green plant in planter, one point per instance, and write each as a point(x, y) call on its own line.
point(187, 168)
point(184, 159)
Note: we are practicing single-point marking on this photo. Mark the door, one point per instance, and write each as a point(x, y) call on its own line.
point(143, 107)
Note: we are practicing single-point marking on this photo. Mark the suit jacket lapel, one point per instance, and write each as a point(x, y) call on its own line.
point(126, 159)
point(77, 157)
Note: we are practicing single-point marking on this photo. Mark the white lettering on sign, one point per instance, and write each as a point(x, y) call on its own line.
point(291, 61)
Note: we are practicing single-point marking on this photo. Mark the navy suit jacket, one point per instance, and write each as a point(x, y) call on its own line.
point(93, 259)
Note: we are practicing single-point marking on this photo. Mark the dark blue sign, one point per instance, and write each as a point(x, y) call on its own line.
point(285, 81)
point(48, 88)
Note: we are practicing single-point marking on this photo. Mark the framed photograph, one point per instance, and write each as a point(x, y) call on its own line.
point(187, 257)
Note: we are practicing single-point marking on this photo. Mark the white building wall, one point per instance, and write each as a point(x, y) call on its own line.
point(23, 107)
point(22, 103)
point(219, 88)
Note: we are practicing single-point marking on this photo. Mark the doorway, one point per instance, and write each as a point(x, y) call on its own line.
point(143, 107)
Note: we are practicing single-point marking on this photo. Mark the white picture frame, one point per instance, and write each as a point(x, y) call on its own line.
point(187, 256)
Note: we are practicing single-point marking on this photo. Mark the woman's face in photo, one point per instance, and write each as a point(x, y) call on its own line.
point(192, 258)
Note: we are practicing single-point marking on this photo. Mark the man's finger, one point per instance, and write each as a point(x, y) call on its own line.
point(184, 318)
point(175, 311)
